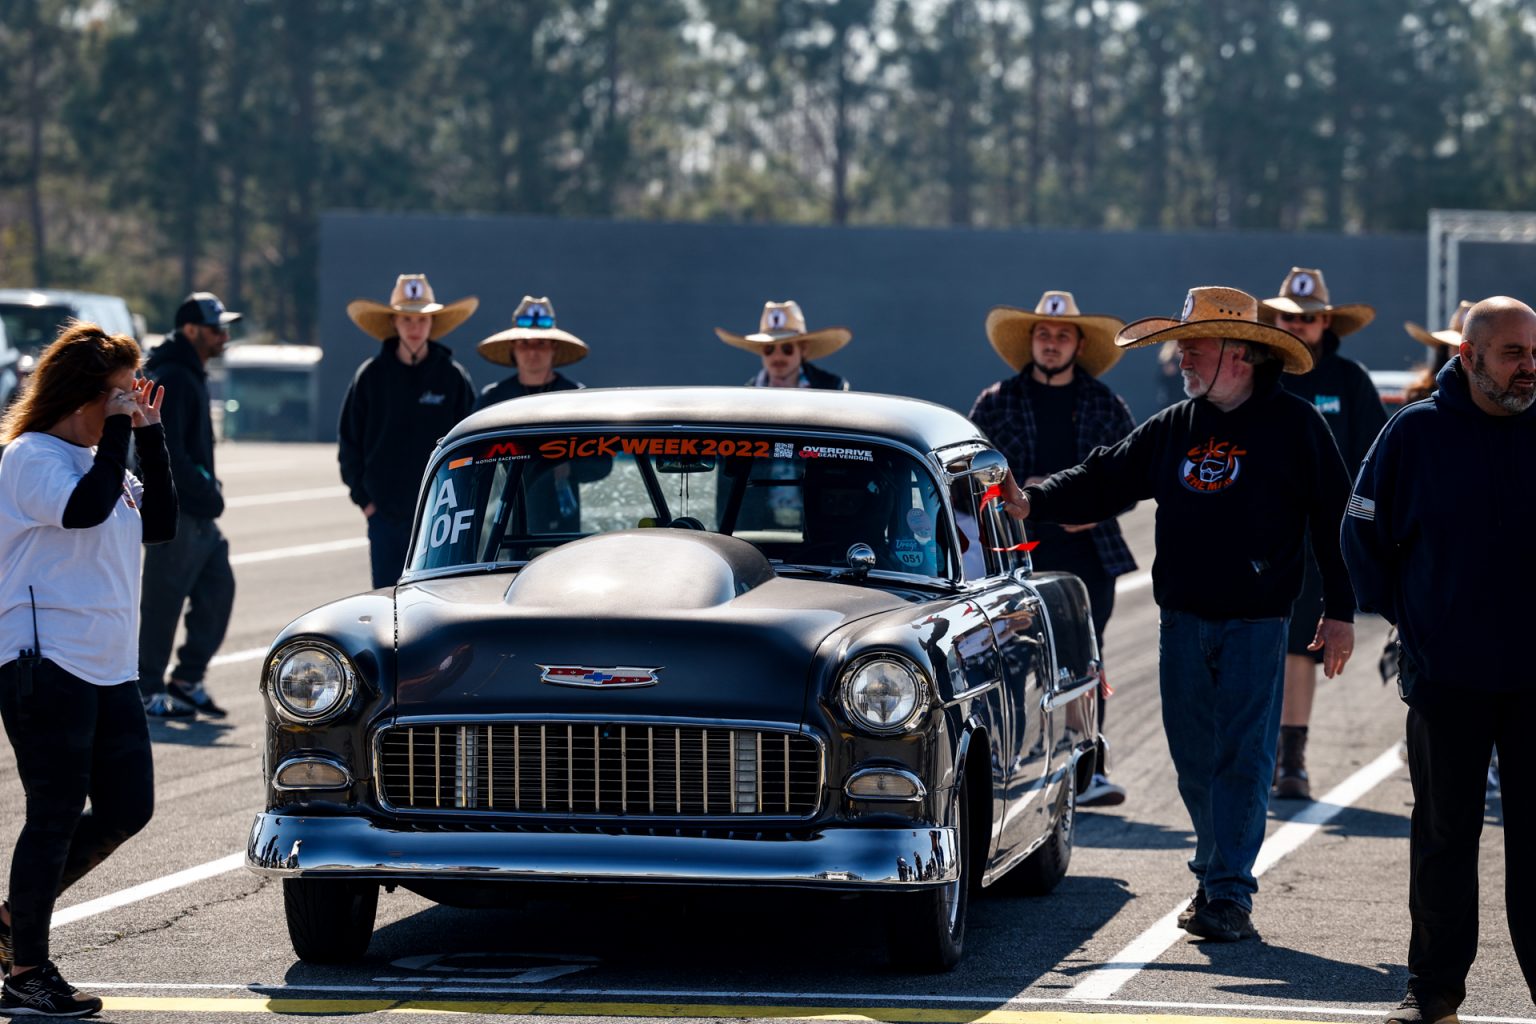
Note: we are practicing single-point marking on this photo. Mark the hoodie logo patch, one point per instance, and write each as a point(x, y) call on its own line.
point(1212, 466)
point(432, 398)
point(1328, 403)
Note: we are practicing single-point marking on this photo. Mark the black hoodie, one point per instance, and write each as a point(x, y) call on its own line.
point(1342, 391)
point(1235, 494)
point(1435, 540)
point(391, 420)
point(188, 425)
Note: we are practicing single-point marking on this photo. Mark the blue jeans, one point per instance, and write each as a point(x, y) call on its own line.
point(1222, 681)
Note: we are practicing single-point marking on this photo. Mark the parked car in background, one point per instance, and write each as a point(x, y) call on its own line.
point(33, 317)
point(9, 380)
point(708, 637)
point(269, 392)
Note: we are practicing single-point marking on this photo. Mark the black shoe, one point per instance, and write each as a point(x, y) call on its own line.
point(41, 992)
point(7, 951)
point(1222, 921)
point(163, 705)
point(1196, 904)
point(196, 695)
point(1426, 1010)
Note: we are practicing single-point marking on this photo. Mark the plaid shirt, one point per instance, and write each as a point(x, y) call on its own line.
point(1004, 414)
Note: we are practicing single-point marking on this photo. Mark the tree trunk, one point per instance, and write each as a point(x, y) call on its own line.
point(303, 233)
point(840, 132)
point(35, 145)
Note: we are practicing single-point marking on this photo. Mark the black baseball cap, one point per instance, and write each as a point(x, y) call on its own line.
point(204, 308)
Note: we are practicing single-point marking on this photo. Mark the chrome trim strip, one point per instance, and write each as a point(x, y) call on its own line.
point(285, 845)
point(1052, 701)
point(311, 759)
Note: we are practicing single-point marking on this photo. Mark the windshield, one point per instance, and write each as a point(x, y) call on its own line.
point(800, 500)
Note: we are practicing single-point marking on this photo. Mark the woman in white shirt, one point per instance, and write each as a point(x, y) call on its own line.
point(71, 521)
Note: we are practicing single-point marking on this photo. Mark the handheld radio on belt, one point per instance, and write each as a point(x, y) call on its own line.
point(30, 657)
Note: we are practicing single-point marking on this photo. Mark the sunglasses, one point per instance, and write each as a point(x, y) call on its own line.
point(1298, 318)
point(784, 347)
point(525, 320)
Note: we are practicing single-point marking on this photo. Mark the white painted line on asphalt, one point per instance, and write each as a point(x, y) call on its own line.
point(236, 657)
point(1105, 981)
point(1129, 584)
point(299, 550)
point(282, 497)
point(144, 891)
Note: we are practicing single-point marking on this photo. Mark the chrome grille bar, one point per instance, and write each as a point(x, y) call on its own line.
point(758, 772)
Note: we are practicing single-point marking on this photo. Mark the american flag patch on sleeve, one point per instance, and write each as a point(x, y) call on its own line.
point(1361, 508)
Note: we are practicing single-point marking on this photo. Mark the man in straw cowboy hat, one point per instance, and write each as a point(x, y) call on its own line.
point(1240, 471)
point(787, 349)
point(1443, 344)
point(535, 346)
point(1050, 416)
point(1342, 391)
point(1435, 541)
point(398, 404)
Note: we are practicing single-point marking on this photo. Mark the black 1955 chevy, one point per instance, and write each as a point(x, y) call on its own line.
point(704, 637)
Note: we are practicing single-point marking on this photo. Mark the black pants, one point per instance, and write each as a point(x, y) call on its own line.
point(72, 740)
point(1448, 752)
point(190, 572)
point(388, 541)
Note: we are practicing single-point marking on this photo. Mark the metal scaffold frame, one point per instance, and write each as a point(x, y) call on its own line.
point(1447, 230)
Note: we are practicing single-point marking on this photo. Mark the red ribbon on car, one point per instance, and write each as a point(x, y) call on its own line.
point(995, 493)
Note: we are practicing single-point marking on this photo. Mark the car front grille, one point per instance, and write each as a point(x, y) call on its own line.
point(610, 769)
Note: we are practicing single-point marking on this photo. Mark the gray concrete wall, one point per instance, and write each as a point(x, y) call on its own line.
point(645, 296)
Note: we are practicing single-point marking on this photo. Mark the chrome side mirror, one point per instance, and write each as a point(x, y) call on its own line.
point(989, 467)
point(861, 557)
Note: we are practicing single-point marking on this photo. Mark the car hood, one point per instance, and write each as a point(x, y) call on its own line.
point(722, 635)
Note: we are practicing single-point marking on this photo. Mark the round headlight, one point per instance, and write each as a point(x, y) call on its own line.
point(884, 694)
point(310, 681)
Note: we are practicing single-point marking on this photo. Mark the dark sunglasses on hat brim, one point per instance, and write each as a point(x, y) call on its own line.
point(526, 320)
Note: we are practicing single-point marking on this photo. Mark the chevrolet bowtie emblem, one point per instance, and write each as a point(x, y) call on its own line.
point(604, 678)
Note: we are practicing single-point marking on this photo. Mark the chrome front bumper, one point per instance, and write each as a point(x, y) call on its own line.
point(291, 846)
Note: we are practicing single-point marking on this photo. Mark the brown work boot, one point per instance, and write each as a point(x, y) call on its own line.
point(1291, 782)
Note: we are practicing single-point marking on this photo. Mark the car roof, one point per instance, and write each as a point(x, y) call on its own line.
point(916, 423)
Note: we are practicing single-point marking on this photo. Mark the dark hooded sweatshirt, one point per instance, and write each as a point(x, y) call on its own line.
point(1341, 390)
point(1435, 542)
point(1235, 494)
point(391, 420)
point(512, 387)
point(188, 425)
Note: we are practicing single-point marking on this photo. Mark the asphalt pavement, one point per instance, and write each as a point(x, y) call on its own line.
point(174, 928)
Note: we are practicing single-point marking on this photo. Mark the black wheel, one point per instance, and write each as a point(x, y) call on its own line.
point(330, 921)
point(926, 930)
point(1042, 870)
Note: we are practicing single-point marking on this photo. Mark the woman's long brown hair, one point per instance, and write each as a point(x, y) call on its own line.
point(72, 372)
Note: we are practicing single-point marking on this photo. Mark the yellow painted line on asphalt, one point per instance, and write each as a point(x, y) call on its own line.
point(895, 1014)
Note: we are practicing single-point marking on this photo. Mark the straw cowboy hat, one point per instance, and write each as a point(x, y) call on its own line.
point(412, 294)
point(1304, 291)
point(783, 321)
point(1218, 313)
point(1450, 336)
point(1011, 331)
point(534, 318)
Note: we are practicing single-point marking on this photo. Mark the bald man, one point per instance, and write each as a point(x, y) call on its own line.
point(1436, 541)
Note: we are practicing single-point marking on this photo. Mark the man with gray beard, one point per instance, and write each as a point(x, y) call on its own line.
point(1436, 541)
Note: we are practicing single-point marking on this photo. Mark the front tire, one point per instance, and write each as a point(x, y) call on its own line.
point(330, 921)
point(926, 930)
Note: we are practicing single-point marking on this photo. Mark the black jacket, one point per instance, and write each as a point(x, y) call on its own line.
point(1236, 492)
point(391, 420)
point(824, 380)
point(503, 390)
point(1434, 541)
point(188, 425)
point(1342, 391)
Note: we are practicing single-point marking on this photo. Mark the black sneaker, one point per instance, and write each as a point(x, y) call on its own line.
point(163, 705)
point(1222, 921)
point(1196, 904)
point(196, 695)
point(41, 992)
point(1425, 1010)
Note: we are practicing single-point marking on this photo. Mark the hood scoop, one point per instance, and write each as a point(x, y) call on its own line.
point(635, 571)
